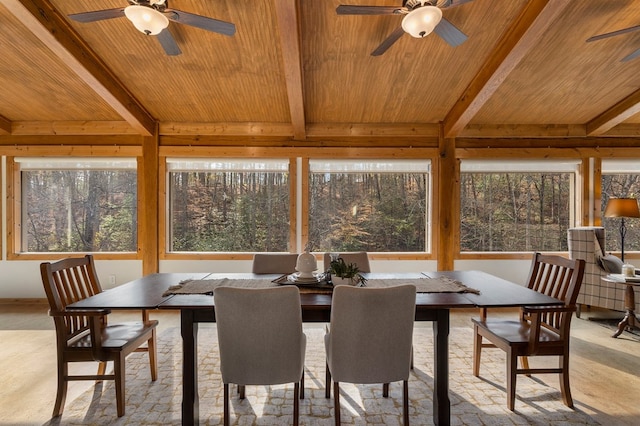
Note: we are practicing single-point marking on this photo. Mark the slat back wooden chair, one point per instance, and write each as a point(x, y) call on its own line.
point(85, 335)
point(539, 331)
point(274, 263)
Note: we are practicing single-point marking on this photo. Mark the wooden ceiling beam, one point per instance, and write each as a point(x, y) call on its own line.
point(41, 18)
point(289, 27)
point(5, 126)
point(615, 115)
point(518, 40)
point(72, 128)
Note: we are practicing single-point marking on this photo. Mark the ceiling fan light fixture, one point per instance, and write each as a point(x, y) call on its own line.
point(146, 19)
point(422, 21)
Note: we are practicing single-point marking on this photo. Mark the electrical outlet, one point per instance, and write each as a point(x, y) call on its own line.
point(112, 279)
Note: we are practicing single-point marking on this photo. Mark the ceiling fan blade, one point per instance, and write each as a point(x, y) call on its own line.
point(168, 43)
point(631, 56)
point(98, 15)
point(347, 9)
point(614, 33)
point(202, 22)
point(388, 42)
point(450, 33)
point(455, 3)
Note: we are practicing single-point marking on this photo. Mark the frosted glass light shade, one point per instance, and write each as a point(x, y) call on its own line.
point(422, 21)
point(147, 20)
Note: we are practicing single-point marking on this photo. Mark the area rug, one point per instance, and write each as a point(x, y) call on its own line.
point(612, 324)
point(474, 401)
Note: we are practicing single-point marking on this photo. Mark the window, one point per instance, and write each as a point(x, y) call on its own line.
point(77, 205)
point(517, 205)
point(620, 178)
point(371, 205)
point(228, 205)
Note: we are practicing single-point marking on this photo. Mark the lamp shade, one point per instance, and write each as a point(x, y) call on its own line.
point(622, 207)
point(146, 19)
point(420, 22)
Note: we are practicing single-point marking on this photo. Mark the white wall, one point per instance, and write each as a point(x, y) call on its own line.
point(21, 279)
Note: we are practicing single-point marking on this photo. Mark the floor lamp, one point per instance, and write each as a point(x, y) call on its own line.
point(622, 207)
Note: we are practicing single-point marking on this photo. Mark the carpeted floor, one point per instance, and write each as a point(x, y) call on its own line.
point(612, 324)
point(474, 401)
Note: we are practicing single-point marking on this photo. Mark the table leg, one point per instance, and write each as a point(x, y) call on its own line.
point(441, 403)
point(629, 320)
point(190, 403)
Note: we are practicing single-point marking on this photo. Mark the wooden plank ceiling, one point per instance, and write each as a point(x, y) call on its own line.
point(298, 71)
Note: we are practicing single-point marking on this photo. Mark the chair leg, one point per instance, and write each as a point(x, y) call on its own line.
point(302, 385)
point(61, 396)
point(564, 381)
point(102, 369)
point(296, 404)
point(336, 399)
point(153, 358)
point(118, 371)
point(525, 364)
point(477, 350)
point(241, 391)
point(225, 405)
point(405, 402)
point(385, 390)
point(327, 382)
point(512, 366)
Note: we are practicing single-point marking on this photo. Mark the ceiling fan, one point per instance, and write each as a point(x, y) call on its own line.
point(421, 17)
point(151, 17)
point(630, 56)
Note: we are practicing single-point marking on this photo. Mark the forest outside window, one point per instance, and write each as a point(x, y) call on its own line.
point(517, 206)
point(620, 179)
point(371, 205)
point(228, 205)
point(77, 205)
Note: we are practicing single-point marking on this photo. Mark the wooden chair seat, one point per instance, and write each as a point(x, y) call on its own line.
point(83, 336)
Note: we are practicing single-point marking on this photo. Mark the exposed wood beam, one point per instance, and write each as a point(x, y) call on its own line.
point(40, 17)
point(226, 129)
point(289, 26)
point(615, 115)
point(373, 129)
point(72, 128)
point(519, 39)
point(523, 131)
point(5, 126)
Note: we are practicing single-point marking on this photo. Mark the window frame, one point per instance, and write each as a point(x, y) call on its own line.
point(14, 201)
point(516, 164)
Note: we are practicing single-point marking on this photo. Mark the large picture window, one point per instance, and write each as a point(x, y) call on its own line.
point(228, 205)
point(620, 179)
point(78, 205)
point(515, 206)
point(370, 205)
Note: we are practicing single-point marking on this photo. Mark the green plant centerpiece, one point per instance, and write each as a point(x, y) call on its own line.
point(347, 271)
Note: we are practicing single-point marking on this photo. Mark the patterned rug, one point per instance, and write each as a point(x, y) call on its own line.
point(474, 401)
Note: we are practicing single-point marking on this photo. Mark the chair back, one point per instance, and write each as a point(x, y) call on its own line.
point(274, 263)
point(359, 258)
point(65, 282)
point(558, 277)
point(371, 331)
point(260, 335)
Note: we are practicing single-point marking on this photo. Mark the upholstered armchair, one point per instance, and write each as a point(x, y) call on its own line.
point(588, 243)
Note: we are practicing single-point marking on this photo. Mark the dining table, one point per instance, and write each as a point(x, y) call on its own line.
point(154, 292)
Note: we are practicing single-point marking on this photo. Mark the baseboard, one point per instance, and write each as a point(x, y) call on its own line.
point(23, 301)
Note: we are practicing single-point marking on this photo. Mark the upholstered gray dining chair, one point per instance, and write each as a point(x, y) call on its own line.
point(360, 258)
point(274, 263)
point(260, 339)
point(369, 338)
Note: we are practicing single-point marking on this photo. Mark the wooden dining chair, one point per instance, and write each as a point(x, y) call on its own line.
point(369, 339)
point(539, 331)
point(360, 258)
point(83, 336)
point(274, 263)
point(260, 340)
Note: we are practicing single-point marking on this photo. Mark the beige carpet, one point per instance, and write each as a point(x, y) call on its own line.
point(474, 401)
